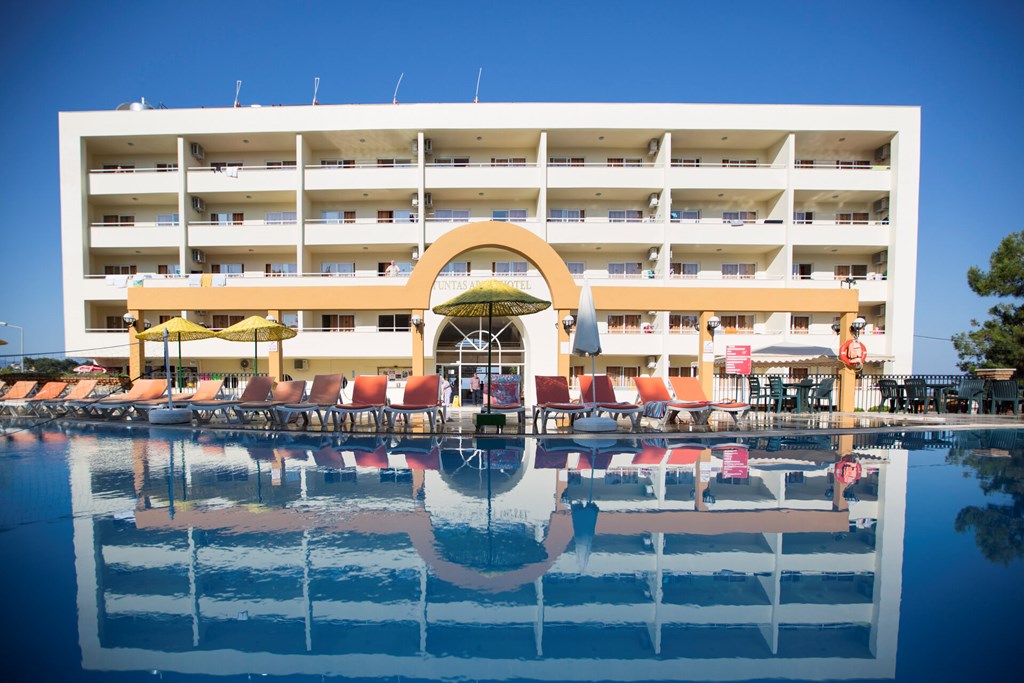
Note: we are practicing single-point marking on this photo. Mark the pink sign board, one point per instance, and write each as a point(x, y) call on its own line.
point(734, 463)
point(737, 360)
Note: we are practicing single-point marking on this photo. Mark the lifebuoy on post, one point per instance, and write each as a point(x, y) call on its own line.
point(853, 354)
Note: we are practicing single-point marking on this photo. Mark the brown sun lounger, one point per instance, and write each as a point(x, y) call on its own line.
point(81, 390)
point(369, 395)
point(258, 389)
point(207, 390)
point(323, 396)
point(282, 394)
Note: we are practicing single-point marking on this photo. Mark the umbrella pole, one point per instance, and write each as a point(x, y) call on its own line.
point(181, 385)
point(490, 345)
point(255, 355)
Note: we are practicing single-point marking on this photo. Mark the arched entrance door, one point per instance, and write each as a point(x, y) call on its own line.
point(462, 352)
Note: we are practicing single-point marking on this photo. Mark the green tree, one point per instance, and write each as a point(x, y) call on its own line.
point(50, 366)
point(999, 341)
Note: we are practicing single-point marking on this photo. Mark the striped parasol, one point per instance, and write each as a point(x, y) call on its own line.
point(256, 328)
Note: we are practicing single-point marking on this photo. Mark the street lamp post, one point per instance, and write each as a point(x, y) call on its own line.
point(21, 334)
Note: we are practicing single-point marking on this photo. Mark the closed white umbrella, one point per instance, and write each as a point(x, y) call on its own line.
point(587, 342)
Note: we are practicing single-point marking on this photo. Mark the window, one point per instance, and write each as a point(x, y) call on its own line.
point(279, 269)
point(455, 269)
point(800, 324)
point(451, 161)
point(576, 268)
point(565, 161)
point(401, 216)
point(505, 215)
point(681, 371)
point(683, 323)
point(803, 217)
point(164, 319)
point(509, 268)
point(857, 272)
point(508, 161)
point(798, 373)
point(566, 215)
point(576, 371)
point(221, 165)
point(805, 163)
point(169, 269)
point(227, 268)
point(625, 161)
point(335, 216)
point(739, 271)
point(738, 323)
point(740, 163)
point(167, 219)
point(281, 164)
point(685, 271)
point(119, 168)
point(803, 271)
point(852, 218)
point(165, 168)
point(622, 376)
point(226, 218)
point(624, 324)
point(338, 269)
point(739, 216)
point(338, 163)
point(853, 163)
point(451, 215)
point(120, 269)
point(404, 268)
point(686, 161)
point(393, 322)
point(280, 218)
point(221, 321)
point(684, 216)
point(625, 216)
point(390, 163)
point(116, 219)
point(114, 322)
point(338, 323)
point(624, 270)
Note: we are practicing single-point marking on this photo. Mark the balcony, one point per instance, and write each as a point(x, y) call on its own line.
point(606, 231)
point(326, 232)
point(829, 176)
point(728, 177)
point(766, 232)
point(634, 343)
point(472, 176)
point(205, 180)
point(872, 289)
point(360, 343)
point(435, 227)
point(585, 176)
point(138, 235)
point(101, 288)
point(841, 233)
point(362, 176)
point(104, 182)
point(248, 233)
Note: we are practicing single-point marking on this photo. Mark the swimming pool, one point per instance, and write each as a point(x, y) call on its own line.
point(132, 552)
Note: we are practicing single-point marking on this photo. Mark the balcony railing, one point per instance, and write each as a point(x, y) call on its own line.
point(838, 221)
point(829, 277)
point(247, 223)
point(839, 166)
point(137, 224)
point(232, 170)
point(713, 164)
point(361, 163)
point(719, 220)
point(133, 170)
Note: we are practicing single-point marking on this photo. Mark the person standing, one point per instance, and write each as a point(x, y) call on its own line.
point(391, 270)
point(474, 385)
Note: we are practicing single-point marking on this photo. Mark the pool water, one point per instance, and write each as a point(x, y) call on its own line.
point(137, 553)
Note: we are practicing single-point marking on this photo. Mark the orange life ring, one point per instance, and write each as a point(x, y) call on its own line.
point(853, 354)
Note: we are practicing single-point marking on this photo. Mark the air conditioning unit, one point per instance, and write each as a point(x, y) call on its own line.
point(415, 199)
point(198, 204)
point(201, 312)
point(428, 146)
point(198, 153)
point(198, 256)
point(301, 364)
point(652, 255)
point(652, 146)
point(880, 258)
point(428, 201)
point(882, 205)
point(882, 153)
point(652, 201)
point(880, 310)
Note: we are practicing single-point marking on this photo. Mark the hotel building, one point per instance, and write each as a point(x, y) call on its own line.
point(778, 219)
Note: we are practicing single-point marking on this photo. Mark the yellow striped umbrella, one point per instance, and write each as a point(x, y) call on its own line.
point(178, 329)
point(256, 328)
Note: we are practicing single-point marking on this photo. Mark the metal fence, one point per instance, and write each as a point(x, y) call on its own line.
point(234, 382)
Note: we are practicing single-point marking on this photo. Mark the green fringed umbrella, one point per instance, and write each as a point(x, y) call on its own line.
point(178, 329)
point(256, 328)
point(491, 298)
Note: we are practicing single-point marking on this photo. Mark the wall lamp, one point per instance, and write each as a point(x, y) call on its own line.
point(714, 322)
point(129, 319)
point(568, 322)
point(857, 326)
point(417, 322)
point(849, 281)
point(836, 327)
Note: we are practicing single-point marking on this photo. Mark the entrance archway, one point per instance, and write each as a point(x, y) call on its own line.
point(461, 351)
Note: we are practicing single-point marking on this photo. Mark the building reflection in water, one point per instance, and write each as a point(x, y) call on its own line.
point(224, 553)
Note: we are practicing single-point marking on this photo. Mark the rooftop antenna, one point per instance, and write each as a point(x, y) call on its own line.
point(476, 97)
point(238, 89)
point(394, 100)
point(316, 86)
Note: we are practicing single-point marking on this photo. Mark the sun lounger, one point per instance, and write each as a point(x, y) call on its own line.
point(553, 399)
point(658, 404)
point(258, 389)
point(25, 406)
point(208, 390)
point(83, 389)
point(323, 396)
point(20, 390)
point(369, 395)
point(606, 399)
point(282, 394)
point(688, 390)
point(505, 399)
point(122, 405)
point(422, 395)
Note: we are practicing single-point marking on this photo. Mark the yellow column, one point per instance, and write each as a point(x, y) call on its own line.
point(275, 360)
point(563, 342)
point(417, 346)
point(847, 377)
point(706, 368)
point(136, 348)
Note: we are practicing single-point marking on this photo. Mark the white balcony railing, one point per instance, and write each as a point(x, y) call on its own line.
point(736, 222)
point(133, 170)
point(137, 224)
point(840, 166)
point(712, 164)
point(247, 223)
point(837, 221)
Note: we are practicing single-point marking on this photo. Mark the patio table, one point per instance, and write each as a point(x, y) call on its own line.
point(938, 392)
point(801, 391)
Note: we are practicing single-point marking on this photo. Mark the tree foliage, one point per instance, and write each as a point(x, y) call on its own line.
point(50, 366)
point(999, 341)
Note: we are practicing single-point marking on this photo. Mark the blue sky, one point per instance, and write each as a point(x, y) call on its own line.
point(959, 61)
